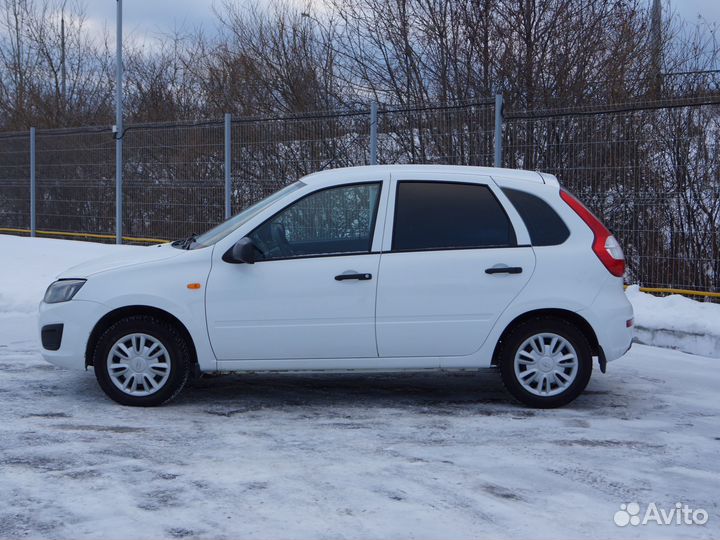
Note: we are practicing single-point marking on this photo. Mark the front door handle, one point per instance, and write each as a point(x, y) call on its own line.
point(361, 277)
point(504, 270)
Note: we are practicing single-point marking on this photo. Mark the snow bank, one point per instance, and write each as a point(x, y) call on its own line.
point(29, 265)
point(676, 322)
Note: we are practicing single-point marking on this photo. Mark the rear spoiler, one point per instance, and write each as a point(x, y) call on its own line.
point(549, 179)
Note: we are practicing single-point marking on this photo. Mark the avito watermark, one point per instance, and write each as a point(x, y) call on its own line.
point(679, 514)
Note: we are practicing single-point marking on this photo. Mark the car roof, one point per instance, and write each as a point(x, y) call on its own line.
point(506, 174)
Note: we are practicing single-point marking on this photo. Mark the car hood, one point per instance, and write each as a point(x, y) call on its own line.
point(130, 256)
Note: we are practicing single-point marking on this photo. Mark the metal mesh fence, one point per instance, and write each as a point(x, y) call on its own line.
point(268, 154)
point(15, 181)
point(457, 135)
point(650, 170)
point(173, 179)
point(75, 172)
point(652, 174)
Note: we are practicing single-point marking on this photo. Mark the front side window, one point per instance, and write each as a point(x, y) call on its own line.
point(447, 215)
point(219, 232)
point(337, 220)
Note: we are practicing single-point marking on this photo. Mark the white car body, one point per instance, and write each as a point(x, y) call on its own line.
point(421, 309)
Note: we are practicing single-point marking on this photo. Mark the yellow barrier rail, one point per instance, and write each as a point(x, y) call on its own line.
point(688, 292)
point(87, 235)
point(658, 290)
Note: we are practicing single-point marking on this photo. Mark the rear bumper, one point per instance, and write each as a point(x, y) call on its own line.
point(613, 351)
point(77, 319)
point(609, 315)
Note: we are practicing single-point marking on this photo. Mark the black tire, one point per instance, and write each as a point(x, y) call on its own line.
point(525, 330)
point(178, 358)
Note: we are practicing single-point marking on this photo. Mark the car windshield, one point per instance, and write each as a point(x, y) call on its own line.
point(219, 232)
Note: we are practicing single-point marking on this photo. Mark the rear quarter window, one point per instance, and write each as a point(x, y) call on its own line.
point(545, 226)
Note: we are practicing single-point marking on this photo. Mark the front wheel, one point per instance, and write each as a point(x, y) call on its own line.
point(142, 361)
point(545, 362)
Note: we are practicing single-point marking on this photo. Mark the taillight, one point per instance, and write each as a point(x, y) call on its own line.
point(605, 246)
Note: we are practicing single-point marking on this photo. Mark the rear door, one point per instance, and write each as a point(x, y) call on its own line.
point(451, 264)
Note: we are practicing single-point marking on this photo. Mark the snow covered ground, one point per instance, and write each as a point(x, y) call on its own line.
point(358, 456)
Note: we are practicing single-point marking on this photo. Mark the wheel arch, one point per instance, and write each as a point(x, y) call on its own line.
point(578, 320)
point(115, 315)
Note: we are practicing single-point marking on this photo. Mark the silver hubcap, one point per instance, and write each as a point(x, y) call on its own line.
point(138, 364)
point(546, 364)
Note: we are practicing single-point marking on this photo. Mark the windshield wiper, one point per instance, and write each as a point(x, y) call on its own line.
point(186, 243)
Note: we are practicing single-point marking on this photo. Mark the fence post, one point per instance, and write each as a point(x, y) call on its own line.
point(33, 189)
point(228, 172)
point(119, 133)
point(373, 133)
point(498, 129)
point(118, 186)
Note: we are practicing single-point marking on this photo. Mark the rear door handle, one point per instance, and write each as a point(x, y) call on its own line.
point(361, 277)
point(504, 270)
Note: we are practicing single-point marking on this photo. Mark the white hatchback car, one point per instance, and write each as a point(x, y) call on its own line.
point(385, 268)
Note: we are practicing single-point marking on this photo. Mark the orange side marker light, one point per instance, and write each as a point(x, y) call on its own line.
point(193, 286)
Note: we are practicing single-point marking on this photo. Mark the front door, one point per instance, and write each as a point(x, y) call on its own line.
point(311, 293)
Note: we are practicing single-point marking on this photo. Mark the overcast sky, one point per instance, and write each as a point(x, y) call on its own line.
point(145, 19)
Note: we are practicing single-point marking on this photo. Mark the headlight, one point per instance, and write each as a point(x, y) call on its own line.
point(63, 290)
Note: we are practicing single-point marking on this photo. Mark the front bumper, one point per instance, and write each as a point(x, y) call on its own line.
point(78, 318)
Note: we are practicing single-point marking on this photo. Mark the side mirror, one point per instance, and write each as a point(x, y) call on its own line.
point(242, 252)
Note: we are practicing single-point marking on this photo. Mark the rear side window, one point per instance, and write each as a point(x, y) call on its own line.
point(445, 215)
point(546, 228)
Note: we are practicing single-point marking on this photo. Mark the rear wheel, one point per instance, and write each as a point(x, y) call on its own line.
point(545, 362)
point(142, 361)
